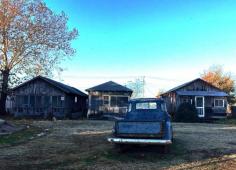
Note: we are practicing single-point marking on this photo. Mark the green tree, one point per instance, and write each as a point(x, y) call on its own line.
point(33, 41)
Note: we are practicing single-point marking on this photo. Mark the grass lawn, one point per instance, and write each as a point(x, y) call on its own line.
point(19, 137)
point(83, 145)
point(229, 121)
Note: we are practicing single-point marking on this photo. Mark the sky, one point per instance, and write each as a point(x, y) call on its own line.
point(167, 41)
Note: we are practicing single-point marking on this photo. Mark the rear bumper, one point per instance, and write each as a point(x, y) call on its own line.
point(139, 141)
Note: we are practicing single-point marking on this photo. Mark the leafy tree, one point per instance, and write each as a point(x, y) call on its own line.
point(33, 41)
point(216, 76)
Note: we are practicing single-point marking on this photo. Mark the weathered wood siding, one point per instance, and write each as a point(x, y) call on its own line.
point(39, 98)
point(173, 100)
point(170, 100)
point(198, 86)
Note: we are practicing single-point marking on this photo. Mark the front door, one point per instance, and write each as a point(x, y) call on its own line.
point(199, 103)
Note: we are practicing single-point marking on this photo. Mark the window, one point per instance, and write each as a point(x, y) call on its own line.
point(122, 101)
point(146, 106)
point(25, 100)
point(199, 101)
point(106, 100)
point(187, 100)
point(113, 101)
point(38, 101)
point(57, 101)
point(119, 101)
point(219, 102)
point(32, 101)
point(76, 99)
point(46, 101)
point(54, 101)
point(60, 101)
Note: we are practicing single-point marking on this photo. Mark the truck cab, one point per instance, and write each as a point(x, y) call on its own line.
point(146, 122)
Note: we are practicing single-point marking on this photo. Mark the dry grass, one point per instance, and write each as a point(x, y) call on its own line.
point(82, 145)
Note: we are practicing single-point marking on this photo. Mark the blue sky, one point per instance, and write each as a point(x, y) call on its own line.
point(165, 39)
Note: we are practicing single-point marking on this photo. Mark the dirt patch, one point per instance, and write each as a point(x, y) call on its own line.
point(83, 145)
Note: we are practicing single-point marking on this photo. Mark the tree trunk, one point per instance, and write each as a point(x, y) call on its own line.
point(3, 97)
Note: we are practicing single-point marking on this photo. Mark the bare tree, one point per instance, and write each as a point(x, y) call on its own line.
point(32, 38)
point(137, 86)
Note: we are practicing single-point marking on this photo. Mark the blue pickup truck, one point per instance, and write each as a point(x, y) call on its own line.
point(146, 122)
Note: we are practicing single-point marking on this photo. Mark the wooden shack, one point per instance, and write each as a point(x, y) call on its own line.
point(210, 101)
point(44, 97)
point(108, 98)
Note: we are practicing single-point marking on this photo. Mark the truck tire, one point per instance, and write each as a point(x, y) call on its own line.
point(121, 148)
point(165, 149)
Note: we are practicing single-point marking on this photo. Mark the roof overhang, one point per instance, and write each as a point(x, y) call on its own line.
point(202, 93)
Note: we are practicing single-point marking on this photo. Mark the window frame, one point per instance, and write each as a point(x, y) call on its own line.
point(58, 103)
point(148, 104)
point(223, 102)
point(107, 100)
point(116, 101)
point(187, 100)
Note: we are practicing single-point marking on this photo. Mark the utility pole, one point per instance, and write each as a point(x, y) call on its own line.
point(143, 86)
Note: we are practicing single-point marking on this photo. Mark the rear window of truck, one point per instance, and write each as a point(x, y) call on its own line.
point(146, 106)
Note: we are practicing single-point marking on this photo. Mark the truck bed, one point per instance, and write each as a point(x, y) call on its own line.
point(141, 129)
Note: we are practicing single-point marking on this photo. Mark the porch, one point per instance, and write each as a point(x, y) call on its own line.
point(39, 106)
point(207, 106)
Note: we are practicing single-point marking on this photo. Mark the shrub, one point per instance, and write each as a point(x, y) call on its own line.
point(233, 111)
point(186, 113)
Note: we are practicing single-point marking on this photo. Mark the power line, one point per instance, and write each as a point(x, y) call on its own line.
point(164, 79)
point(123, 77)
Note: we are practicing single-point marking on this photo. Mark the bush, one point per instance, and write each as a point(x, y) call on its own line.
point(233, 111)
point(186, 113)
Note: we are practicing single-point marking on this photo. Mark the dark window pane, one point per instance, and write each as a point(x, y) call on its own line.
point(199, 102)
point(113, 101)
point(122, 101)
point(38, 101)
point(25, 100)
point(17, 100)
point(219, 103)
point(46, 101)
point(60, 101)
point(54, 101)
point(106, 100)
point(95, 102)
point(32, 101)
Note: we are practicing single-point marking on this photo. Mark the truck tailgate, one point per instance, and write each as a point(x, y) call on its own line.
point(139, 128)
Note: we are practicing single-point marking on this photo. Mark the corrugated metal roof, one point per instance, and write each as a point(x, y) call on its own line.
point(111, 87)
point(202, 93)
point(61, 86)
